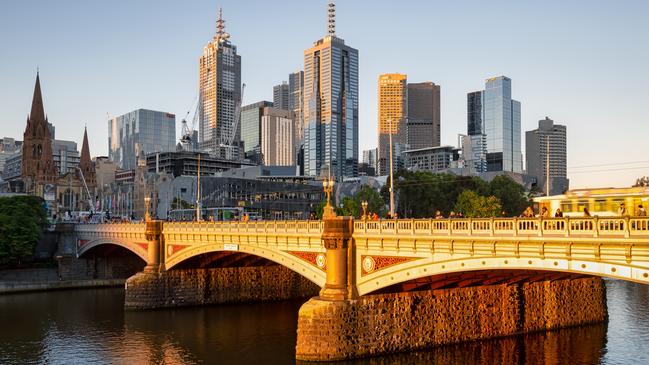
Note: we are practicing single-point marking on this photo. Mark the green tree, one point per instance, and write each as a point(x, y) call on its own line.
point(22, 221)
point(476, 206)
point(352, 206)
point(510, 193)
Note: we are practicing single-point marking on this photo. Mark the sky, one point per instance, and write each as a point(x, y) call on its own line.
point(581, 63)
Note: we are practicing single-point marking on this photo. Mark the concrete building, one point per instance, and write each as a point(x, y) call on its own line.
point(393, 104)
point(281, 96)
point(277, 133)
point(179, 163)
point(474, 145)
point(331, 106)
point(251, 129)
point(134, 135)
point(8, 146)
point(423, 122)
point(537, 156)
point(66, 156)
point(220, 96)
point(432, 159)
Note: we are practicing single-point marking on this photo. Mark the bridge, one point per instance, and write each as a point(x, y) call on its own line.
point(351, 258)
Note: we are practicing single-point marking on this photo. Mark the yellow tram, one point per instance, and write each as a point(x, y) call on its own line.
point(603, 202)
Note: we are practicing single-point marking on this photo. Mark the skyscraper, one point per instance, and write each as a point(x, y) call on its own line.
point(474, 144)
point(281, 96)
point(134, 135)
point(393, 104)
point(494, 113)
point(295, 104)
point(423, 116)
point(537, 156)
point(220, 96)
point(331, 106)
point(251, 129)
point(277, 137)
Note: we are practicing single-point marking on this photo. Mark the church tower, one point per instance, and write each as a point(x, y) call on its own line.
point(85, 164)
point(37, 162)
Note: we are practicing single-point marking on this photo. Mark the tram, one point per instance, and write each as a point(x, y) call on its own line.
point(603, 202)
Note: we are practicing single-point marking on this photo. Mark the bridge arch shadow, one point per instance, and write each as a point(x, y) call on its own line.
point(489, 271)
point(107, 259)
point(245, 255)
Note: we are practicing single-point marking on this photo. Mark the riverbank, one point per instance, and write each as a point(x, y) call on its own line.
point(11, 287)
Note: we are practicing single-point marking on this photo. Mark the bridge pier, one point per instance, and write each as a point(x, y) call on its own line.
point(155, 251)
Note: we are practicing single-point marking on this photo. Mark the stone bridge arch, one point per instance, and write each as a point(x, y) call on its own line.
point(139, 249)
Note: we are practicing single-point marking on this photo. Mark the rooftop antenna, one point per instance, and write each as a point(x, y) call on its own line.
point(220, 24)
point(332, 18)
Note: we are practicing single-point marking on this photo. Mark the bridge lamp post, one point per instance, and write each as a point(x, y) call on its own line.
point(147, 215)
point(328, 186)
point(364, 206)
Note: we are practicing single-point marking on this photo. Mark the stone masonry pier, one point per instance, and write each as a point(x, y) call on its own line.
point(388, 323)
point(191, 287)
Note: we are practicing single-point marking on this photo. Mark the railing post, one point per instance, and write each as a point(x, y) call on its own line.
point(627, 227)
point(338, 241)
point(156, 249)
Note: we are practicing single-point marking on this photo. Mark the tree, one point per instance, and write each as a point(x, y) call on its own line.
point(476, 206)
point(22, 221)
point(352, 206)
point(641, 181)
point(510, 193)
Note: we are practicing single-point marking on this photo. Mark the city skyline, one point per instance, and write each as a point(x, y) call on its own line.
point(578, 62)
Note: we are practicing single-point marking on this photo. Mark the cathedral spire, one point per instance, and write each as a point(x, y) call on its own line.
point(84, 161)
point(38, 111)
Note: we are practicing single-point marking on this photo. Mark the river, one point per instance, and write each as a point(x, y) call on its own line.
point(91, 327)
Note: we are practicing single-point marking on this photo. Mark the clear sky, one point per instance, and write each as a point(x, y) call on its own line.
point(583, 63)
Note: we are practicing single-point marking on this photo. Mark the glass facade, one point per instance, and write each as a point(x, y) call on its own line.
point(251, 129)
point(502, 126)
point(331, 108)
point(133, 135)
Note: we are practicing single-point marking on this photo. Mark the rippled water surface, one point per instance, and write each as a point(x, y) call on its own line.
point(91, 327)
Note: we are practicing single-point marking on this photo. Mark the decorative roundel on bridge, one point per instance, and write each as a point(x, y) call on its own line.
point(368, 264)
point(170, 250)
point(321, 261)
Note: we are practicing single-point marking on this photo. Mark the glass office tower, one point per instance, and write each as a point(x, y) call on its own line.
point(331, 107)
point(502, 126)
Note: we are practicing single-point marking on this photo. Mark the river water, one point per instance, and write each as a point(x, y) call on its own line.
point(91, 327)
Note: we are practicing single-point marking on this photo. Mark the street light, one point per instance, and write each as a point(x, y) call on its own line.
point(391, 172)
point(147, 200)
point(364, 205)
point(328, 186)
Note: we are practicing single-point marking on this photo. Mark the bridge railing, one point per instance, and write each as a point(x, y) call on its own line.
point(255, 227)
point(509, 227)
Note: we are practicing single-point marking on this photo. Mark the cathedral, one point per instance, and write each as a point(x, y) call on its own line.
point(63, 191)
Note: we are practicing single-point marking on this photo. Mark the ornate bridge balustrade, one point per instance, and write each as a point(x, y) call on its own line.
point(395, 251)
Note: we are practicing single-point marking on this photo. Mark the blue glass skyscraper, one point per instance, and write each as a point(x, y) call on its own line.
point(502, 126)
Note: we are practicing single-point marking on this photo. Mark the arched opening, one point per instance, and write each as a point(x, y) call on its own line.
point(106, 261)
point(223, 259)
point(476, 278)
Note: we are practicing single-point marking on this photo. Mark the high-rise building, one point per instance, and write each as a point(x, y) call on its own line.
point(281, 96)
point(66, 156)
point(295, 104)
point(537, 156)
point(495, 114)
point(251, 129)
point(474, 144)
point(220, 96)
point(423, 125)
point(393, 104)
point(134, 135)
point(331, 106)
point(8, 146)
point(277, 137)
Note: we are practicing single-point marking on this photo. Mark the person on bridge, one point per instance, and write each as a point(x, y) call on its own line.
point(622, 210)
point(641, 211)
point(438, 215)
point(558, 213)
point(528, 213)
point(586, 212)
point(545, 213)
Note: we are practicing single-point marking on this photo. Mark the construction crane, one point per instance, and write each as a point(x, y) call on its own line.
point(227, 141)
point(187, 133)
point(83, 179)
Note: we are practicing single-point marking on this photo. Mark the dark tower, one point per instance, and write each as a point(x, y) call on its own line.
point(85, 164)
point(37, 162)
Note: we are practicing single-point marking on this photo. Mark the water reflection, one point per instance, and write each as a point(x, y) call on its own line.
point(90, 327)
